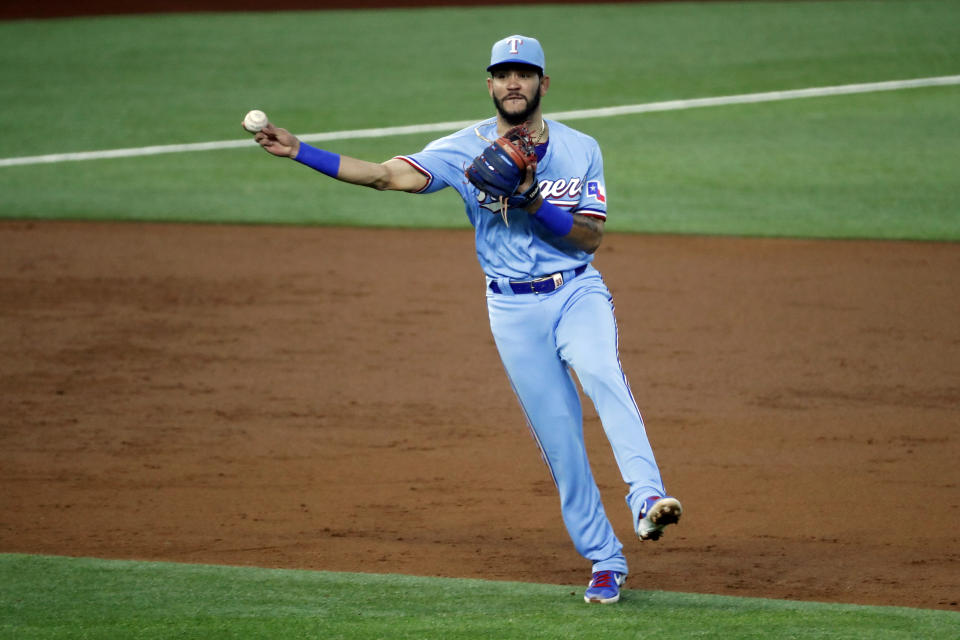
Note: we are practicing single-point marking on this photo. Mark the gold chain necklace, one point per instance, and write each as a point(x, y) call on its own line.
point(543, 129)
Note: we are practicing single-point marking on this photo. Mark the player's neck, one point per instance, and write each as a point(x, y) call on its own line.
point(536, 124)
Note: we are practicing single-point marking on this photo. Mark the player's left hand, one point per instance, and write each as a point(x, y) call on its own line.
point(501, 168)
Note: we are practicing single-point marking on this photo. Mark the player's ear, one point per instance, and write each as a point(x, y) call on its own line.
point(490, 85)
point(544, 85)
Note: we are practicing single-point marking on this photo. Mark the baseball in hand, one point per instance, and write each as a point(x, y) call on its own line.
point(254, 121)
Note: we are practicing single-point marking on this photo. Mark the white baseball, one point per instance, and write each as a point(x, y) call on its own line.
point(254, 121)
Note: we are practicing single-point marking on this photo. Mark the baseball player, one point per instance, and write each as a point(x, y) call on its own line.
point(537, 225)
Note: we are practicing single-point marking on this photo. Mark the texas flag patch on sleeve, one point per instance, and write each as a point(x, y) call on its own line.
point(595, 190)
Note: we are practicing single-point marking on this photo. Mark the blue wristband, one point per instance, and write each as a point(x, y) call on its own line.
point(323, 161)
point(557, 220)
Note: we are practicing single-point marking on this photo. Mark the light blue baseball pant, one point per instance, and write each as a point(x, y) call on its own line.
point(541, 337)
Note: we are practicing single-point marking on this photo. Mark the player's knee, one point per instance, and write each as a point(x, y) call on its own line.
point(599, 372)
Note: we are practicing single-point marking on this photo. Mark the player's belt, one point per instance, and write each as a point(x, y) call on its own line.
point(545, 284)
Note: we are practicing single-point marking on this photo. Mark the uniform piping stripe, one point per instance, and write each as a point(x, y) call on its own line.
point(533, 432)
point(592, 213)
point(616, 330)
point(416, 165)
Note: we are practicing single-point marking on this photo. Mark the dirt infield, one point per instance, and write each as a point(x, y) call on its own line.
point(273, 397)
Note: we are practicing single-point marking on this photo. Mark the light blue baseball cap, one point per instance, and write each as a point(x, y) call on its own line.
point(519, 50)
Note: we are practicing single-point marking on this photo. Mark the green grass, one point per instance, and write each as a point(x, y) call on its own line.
point(881, 165)
point(874, 165)
point(49, 597)
point(878, 165)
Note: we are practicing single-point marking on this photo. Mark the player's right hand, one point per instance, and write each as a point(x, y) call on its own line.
point(279, 142)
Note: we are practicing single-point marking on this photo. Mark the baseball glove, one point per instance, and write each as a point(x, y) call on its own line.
point(502, 166)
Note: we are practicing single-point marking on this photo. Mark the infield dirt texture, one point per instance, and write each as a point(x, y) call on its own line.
point(222, 395)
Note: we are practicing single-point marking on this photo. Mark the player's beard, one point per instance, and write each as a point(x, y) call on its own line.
point(520, 117)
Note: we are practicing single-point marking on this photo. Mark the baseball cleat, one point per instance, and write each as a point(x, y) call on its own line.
point(655, 514)
point(604, 587)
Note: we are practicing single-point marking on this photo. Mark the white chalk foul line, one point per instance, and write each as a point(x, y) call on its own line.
point(606, 112)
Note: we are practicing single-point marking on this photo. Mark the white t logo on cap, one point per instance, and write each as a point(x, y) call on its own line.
point(514, 43)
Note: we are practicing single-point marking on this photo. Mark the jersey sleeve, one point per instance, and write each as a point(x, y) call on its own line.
point(439, 162)
point(593, 196)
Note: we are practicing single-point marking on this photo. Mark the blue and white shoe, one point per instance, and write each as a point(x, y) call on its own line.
point(655, 514)
point(604, 588)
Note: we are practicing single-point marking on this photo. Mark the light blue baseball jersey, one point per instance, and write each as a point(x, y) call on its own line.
point(570, 176)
